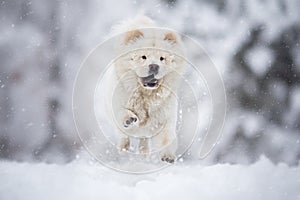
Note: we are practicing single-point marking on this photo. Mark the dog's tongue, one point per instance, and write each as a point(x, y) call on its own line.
point(149, 79)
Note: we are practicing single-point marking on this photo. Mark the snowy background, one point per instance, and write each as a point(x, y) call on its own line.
point(255, 44)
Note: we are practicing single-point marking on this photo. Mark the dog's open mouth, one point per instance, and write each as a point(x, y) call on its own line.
point(150, 82)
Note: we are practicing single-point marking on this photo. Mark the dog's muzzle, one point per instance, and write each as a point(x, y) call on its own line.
point(150, 82)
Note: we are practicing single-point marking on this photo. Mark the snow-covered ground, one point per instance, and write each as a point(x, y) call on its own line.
point(81, 180)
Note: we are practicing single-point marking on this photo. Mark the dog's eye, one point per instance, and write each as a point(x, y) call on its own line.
point(162, 58)
point(144, 57)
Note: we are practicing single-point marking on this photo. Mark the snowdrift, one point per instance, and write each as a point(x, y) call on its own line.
point(82, 180)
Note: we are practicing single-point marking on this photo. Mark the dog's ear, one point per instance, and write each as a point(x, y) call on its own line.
point(133, 35)
point(171, 37)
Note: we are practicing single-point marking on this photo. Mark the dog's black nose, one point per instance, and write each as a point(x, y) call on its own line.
point(153, 69)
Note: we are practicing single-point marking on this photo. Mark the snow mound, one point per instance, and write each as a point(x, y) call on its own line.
point(78, 180)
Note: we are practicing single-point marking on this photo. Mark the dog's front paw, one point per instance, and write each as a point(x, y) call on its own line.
point(130, 120)
point(168, 157)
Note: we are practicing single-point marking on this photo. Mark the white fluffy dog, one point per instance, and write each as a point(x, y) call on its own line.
point(147, 74)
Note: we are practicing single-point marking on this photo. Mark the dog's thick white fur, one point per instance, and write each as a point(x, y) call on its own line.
point(147, 73)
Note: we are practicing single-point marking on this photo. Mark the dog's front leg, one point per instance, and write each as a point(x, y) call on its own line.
point(166, 143)
point(130, 119)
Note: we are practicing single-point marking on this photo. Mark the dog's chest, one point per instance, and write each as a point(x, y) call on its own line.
point(149, 106)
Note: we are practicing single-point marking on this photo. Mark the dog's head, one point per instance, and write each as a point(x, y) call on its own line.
point(154, 54)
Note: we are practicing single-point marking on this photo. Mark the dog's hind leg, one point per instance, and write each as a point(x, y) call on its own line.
point(144, 147)
point(124, 143)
